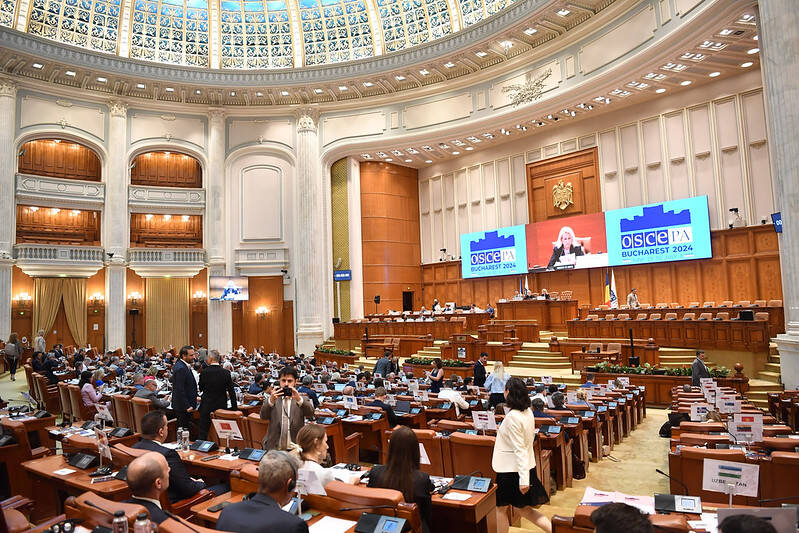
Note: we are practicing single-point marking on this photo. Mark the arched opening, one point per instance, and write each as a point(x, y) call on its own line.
point(166, 169)
point(59, 158)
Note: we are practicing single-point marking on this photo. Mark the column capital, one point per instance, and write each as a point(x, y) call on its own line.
point(8, 87)
point(307, 118)
point(117, 108)
point(217, 113)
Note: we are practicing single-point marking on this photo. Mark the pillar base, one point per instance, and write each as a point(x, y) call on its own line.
point(788, 345)
point(307, 339)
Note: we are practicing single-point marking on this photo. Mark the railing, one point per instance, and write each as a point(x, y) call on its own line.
point(154, 255)
point(50, 252)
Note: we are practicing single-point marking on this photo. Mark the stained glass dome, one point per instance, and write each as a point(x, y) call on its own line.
point(246, 34)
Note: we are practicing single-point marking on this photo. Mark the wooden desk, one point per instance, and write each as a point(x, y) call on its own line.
point(551, 315)
point(561, 456)
point(371, 433)
point(36, 428)
point(438, 329)
point(581, 359)
point(49, 489)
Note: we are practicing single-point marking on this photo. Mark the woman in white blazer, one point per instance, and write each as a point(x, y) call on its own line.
point(514, 461)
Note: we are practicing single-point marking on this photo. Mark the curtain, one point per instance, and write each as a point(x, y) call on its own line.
point(74, 294)
point(166, 312)
point(46, 299)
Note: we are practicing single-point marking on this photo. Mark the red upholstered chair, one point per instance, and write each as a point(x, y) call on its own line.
point(778, 477)
point(470, 453)
point(123, 410)
point(89, 507)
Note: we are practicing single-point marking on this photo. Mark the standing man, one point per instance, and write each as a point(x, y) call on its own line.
point(699, 369)
point(632, 299)
point(480, 370)
point(39, 343)
point(215, 383)
point(383, 364)
point(184, 388)
point(286, 409)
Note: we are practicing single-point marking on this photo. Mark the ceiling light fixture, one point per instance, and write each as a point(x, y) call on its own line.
point(343, 88)
point(318, 91)
point(685, 83)
point(753, 51)
point(185, 218)
point(148, 217)
point(449, 64)
point(424, 72)
point(368, 84)
point(70, 73)
point(507, 45)
point(232, 93)
point(456, 152)
point(102, 80)
point(409, 160)
point(389, 159)
point(563, 12)
point(399, 77)
point(37, 65)
point(480, 53)
point(469, 148)
point(259, 94)
point(169, 90)
point(140, 86)
point(428, 161)
point(755, 38)
point(660, 91)
point(530, 31)
point(199, 92)
point(714, 74)
point(284, 93)
point(747, 64)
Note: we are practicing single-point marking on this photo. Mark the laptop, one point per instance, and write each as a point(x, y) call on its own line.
point(403, 407)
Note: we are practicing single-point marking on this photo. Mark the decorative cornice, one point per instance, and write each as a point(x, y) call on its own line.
point(118, 108)
point(8, 88)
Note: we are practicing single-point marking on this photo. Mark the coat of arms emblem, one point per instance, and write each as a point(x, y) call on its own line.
point(563, 195)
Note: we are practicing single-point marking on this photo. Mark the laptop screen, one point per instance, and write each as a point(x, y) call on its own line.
point(403, 406)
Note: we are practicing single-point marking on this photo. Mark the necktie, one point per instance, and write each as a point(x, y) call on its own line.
point(284, 423)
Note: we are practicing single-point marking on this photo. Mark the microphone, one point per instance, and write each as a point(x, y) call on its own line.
point(92, 504)
point(662, 473)
point(372, 507)
point(783, 499)
point(181, 520)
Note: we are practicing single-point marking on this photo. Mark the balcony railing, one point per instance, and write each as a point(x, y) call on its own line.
point(156, 262)
point(57, 260)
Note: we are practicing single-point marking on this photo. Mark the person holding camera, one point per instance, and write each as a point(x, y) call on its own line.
point(286, 409)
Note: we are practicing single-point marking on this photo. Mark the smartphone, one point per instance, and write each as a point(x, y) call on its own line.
point(218, 507)
point(307, 515)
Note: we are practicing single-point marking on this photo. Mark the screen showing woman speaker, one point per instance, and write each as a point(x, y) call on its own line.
point(227, 288)
point(567, 243)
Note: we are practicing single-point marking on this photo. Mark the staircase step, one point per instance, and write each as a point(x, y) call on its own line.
point(523, 364)
point(769, 376)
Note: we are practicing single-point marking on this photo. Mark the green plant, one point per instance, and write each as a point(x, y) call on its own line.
point(607, 368)
point(426, 361)
point(334, 351)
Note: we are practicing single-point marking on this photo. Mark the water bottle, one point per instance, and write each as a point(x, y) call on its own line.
point(185, 440)
point(142, 524)
point(120, 523)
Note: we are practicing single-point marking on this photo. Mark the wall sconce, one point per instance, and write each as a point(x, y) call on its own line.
point(97, 298)
point(261, 311)
point(23, 297)
point(134, 297)
point(198, 297)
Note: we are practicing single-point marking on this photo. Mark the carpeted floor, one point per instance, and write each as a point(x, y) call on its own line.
point(633, 473)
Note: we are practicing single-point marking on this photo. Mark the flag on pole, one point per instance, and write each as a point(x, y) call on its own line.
point(526, 287)
point(606, 291)
point(614, 300)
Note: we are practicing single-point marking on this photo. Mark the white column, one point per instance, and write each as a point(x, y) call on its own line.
point(778, 21)
point(116, 222)
point(220, 317)
point(356, 242)
point(8, 113)
point(309, 258)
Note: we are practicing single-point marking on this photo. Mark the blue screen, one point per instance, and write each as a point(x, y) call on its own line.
point(669, 231)
point(494, 253)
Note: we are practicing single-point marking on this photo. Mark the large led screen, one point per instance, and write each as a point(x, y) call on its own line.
point(567, 243)
point(228, 288)
point(494, 253)
point(670, 231)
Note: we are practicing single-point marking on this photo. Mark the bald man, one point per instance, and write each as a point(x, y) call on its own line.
point(148, 479)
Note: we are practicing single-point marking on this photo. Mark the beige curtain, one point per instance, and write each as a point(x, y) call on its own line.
point(74, 294)
point(46, 299)
point(167, 312)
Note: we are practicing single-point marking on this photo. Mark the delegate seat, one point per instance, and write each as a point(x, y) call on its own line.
point(761, 316)
point(743, 303)
point(614, 347)
point(759, 303)
point(123, 410)
point(646, 306)
point(709, 304)
point(641, 316)
point(661, 305)
point(257, 428)
point(595, 347)
point(343, 495)
point(689, 316)
point(241, 422)
point(705, 316)
point(693, 305)
point(93, 510)
point(775, 303)
point(778, 478)
point(655, 316)
point(66, 405)
point(671, 316)
point(675, 305)
point(79, 410)
point(472, 453)
point(623, 316)
point(688, 467)
point(722, 315)
point(726, 303)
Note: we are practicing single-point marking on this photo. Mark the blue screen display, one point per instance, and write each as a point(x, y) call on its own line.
point(494, 253)
point(670, 231)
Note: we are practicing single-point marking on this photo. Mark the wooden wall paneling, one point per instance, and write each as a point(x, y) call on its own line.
point(58, 158)
point(198, 309)
point(161, 232)
point(95, 312)
point(47, 225)
point(166, 169)
point(135, 283)
point(578, 168)
point(252, 330)
point(21, 312)
point(390, 233)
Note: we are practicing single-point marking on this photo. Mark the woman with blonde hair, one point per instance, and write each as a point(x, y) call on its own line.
point(312, 450)
point(565, 244)
point(495, 383)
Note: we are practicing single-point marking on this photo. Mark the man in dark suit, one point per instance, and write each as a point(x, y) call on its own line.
point(181, 484)
point(184, 388)
point(699, 369)
point(286, 413)
point(148, 479)
point(215, 384)
point(383, 364)
point(277, 476)
point(480, 370)
point(380, 401)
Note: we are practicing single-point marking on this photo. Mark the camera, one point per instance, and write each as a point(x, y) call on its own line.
point(287, 392)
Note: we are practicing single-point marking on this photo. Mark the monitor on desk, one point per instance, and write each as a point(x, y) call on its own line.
point(403, 407)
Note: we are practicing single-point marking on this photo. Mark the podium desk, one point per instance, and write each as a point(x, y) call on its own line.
point(551, 315)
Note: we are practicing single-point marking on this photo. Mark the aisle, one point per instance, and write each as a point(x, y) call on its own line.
point(639, 455)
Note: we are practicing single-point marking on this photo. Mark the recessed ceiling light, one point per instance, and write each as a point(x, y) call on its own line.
point(399, 77)
point(449, 64)
point(37, 65)
point(343, 88)
point(424, 72)
point(366, 156)
point(198, 92)
point(480, 53)
point(259, 94)
point(530, 31)
point(714, 74)
point(506, 44)
point(169, 90)
point(318, 91)
point(408, 160)
point(725, 32)
point(284, 93)
point(755, 38)
point(102, 80)
point(368, 84)
point(469, 148)
point(685, 83)
point(563, 12)
point(140, 86)
point(456, 152)
point(232, 93)
point(660, 91)
point(70, 73)
point(753, 51)
point(428, 161)
point(747, 64)
point(389, 159)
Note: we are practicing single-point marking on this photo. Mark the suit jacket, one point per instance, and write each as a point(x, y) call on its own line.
point(698, 370)
point(181, 486)
point(392, 417)
point(184, 388)
point(274, 413)
point(146, 393)
point(479, 374)
point(559, 252)
point(215, 383)
point(422, 489)
point(382, 366)
point(260, 514)
point(157, 514)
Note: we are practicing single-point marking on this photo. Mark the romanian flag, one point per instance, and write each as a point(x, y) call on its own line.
point(610, 290)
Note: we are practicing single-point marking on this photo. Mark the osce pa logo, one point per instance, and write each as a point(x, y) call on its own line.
point(656, 228)
point(492, 249)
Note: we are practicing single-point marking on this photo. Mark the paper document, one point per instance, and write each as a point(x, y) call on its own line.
point(598, 498)
point(63, 471)
point(328, 524)
point(456, 496)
